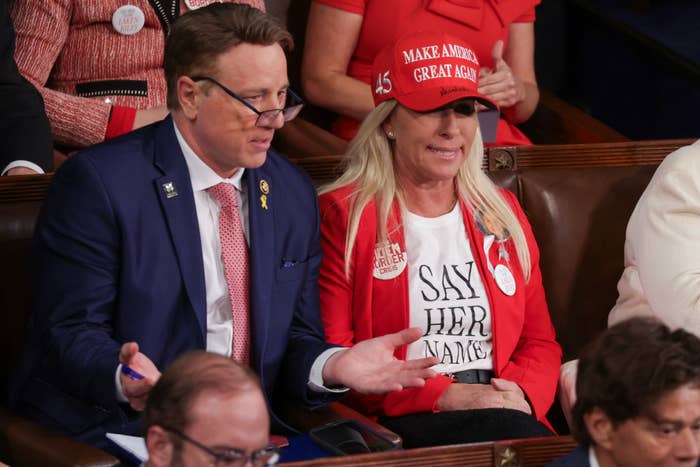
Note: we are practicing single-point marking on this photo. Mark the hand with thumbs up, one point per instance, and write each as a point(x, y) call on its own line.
point(511, 81)
point(499, 84)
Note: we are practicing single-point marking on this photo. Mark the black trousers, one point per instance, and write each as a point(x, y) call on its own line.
point(464, 426)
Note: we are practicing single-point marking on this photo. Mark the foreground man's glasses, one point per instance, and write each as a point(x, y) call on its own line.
point(266, 117)
point(234, 457)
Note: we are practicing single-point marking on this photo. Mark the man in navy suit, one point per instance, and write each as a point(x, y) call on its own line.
point(638, 399)
point(127, 254)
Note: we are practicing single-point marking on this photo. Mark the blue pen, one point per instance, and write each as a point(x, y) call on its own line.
point(131, 373)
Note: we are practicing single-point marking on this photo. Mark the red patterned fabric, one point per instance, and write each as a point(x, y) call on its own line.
point(234, 253)
point(61, 43)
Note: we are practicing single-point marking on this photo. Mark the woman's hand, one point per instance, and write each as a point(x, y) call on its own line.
point(500, 394)
point(511, 82)
point(500, 84)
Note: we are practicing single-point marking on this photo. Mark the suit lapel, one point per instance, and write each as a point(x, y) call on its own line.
point(174, 190)
point(261, 206)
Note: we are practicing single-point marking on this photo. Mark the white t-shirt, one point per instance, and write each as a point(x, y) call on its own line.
point(447, 298)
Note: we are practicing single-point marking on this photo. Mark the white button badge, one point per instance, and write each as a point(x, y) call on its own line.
point(128, 20)
point(504, 279)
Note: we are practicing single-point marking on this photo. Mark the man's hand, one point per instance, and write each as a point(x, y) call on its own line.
point(499, 84)
point(136, 391)
point(500, 394)
point(21, 171)
point(370, 367)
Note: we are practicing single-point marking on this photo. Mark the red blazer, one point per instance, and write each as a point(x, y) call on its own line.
point(524, 347)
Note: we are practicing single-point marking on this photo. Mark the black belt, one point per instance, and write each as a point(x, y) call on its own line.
point(472, 376)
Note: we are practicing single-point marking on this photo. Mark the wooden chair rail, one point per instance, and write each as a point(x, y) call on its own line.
point(513, 453)
point(571, 156)
point(23, 188)
point(323, 169)
point(326, 168)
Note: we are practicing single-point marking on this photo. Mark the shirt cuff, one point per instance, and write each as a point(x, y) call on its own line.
point(121, 121)
point(316, 376)
point(118, 386)
point(22, 163)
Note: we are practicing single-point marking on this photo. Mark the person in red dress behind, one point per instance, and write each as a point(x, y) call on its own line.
point(344, 36)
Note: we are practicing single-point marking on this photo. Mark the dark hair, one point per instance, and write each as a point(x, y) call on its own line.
point(197, 38)
point(628, 368)
point(186, 378)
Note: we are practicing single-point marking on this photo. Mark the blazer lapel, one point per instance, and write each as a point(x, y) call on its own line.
point(390, 303)
point(261, 206)
point(174, 190)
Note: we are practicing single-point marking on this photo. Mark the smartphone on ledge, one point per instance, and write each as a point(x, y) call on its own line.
point(350, 437)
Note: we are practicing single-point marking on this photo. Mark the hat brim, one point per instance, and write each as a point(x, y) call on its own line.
point(425, 100)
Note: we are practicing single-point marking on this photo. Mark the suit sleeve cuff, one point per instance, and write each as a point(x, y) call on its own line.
point(22, 163)
point(121, 121)
point(316, 375)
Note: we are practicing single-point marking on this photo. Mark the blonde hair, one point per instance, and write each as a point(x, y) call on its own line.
point(370, 170)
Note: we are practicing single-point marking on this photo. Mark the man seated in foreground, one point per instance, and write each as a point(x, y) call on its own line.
point(638, 400)
point(207, 409)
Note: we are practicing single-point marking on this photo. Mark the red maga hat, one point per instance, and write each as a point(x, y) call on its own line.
point(426, 70)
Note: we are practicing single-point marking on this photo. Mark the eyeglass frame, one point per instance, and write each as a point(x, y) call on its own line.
point(236, 453)
point(273, 113)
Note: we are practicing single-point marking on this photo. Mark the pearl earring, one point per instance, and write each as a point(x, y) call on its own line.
point(390, 134)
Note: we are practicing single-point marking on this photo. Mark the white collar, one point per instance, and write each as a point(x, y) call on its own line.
point(592, 459)
point(201, 175)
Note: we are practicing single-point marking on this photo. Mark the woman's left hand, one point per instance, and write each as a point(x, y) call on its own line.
point(512, 394)
point(500, 84)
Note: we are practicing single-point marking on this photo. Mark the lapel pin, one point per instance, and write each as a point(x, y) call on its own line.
point(264, 189)
point(169, 189)
point(264, 186)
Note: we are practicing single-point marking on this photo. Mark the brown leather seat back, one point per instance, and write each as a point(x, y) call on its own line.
point(579, 217)
point(15, 242)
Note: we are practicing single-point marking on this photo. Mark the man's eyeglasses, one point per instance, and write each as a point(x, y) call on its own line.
point(266, 117)
point(233, 457)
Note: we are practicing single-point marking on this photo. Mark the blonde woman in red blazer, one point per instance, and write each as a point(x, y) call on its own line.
point(99, 78)
point(418, 155)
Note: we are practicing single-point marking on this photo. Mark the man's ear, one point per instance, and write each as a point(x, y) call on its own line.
point(188, 95)
point(600, 427)
point(160, 447)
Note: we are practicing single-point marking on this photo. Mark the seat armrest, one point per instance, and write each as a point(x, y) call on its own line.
point(23, 442)
point(558, 122)
point(304, 419)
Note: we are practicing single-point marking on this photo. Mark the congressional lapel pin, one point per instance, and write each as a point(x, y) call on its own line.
point(389, 260)
point(169, 190)
point(264, 189)
point(128, 20)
